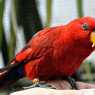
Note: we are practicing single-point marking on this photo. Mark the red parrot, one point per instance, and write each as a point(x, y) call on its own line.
point(54, 52)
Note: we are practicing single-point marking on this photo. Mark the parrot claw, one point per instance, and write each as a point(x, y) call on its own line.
point(72, 82)
point(35, 81)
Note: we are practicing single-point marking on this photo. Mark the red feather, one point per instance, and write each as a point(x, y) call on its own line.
point(57, 51)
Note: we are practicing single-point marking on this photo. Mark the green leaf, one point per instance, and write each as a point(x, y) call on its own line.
point(1, 19)
point(48, 12)
point(12, 41)
point(80, 8)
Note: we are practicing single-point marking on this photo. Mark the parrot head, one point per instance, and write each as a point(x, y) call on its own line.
point(83, 31)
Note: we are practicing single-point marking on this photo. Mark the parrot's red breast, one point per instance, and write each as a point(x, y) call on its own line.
point(58, 51)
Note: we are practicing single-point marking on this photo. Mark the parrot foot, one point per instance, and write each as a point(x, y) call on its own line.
point(72, 82)
point(37, 83)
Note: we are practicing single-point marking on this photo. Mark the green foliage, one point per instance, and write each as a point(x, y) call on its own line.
point(12, 41)
point(49, 12)
point(88, 76)
point(28, 17)
point(80, 8)
point(1, 17)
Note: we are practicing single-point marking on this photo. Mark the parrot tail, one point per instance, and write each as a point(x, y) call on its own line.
point(10, 74)
point(14, 71)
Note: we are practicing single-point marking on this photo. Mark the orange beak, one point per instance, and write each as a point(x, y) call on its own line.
point(92, 38)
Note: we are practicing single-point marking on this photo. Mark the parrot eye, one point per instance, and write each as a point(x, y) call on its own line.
point(85, 26)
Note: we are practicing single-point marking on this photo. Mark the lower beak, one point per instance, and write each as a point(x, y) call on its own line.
point(92, 38)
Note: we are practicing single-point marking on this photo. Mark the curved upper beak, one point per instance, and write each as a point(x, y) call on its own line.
point(92, 38)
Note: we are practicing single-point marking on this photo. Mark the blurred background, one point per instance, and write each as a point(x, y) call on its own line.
point(21, 19)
